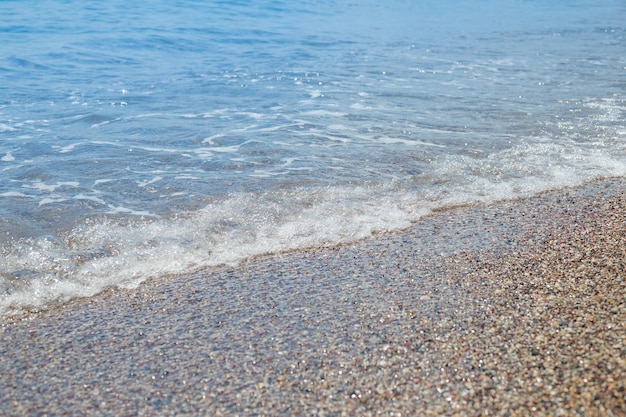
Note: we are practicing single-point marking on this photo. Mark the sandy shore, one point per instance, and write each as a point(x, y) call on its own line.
point(512, 309)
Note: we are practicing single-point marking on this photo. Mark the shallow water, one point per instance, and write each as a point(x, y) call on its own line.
point(138, 141)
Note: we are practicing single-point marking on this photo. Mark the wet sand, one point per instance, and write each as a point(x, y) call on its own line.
point(511, 309)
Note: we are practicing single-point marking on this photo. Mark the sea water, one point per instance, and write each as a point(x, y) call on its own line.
point(140, 139)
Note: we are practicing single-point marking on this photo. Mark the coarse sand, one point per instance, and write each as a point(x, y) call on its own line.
point(509, 309)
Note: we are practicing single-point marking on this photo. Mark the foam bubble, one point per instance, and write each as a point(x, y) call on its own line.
point(8, 157)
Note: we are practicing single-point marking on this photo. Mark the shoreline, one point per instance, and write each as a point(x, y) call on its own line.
point(512, 308)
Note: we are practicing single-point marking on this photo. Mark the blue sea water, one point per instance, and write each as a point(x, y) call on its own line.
point(140, 139)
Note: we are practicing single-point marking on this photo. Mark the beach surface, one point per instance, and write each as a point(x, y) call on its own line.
point(509, 309)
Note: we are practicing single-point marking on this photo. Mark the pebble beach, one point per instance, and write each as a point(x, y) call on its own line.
point(510, 309)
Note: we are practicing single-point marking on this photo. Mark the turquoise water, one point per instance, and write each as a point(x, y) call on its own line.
point(138, 140)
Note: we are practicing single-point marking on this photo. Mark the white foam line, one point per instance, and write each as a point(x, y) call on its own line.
point(152, 181)
point(267, 174)
point(103, 142)
point(90, 198)
point(68, 148)
point(223, 149)
point(151, 149)
point(334, 138)
point(51, 187)
point(278, 127)
point(126, 210)
point(288, 162)
point(210, 139)
point(186, 177)
point(201, 153)
point(106, 122)
point(48, 200)
point(253, 115)
point(341, 127)
point(245, 129)
point(6, 128)
point(408, 142)
point(325, 113)
point(214, 113)
point(15, 194)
